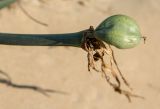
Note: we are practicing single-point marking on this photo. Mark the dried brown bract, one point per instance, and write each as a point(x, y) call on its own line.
point(96, 50)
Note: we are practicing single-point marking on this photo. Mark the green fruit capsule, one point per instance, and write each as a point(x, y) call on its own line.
point(120, 31)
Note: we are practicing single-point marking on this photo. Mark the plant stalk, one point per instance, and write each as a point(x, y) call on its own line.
point(4, 3)
point(69, 39)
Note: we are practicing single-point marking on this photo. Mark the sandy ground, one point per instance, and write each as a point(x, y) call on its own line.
point(65, 69)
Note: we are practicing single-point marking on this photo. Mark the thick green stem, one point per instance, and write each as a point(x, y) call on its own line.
point(69, 39)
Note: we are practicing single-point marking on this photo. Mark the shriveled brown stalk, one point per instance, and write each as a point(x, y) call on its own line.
point(96, 50)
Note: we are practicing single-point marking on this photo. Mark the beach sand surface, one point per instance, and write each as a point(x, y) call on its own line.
point(65, 68)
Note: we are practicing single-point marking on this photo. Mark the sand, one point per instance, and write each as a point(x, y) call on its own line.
point(65, 68)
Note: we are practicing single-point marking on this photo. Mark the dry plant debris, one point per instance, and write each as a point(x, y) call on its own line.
point(96, 50)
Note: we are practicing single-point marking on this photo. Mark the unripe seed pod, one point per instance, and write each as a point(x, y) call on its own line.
point(120, 31)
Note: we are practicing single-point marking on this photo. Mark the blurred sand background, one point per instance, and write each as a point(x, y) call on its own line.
point(65, 68)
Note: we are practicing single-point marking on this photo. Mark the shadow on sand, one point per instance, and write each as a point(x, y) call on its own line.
point(7, 81)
